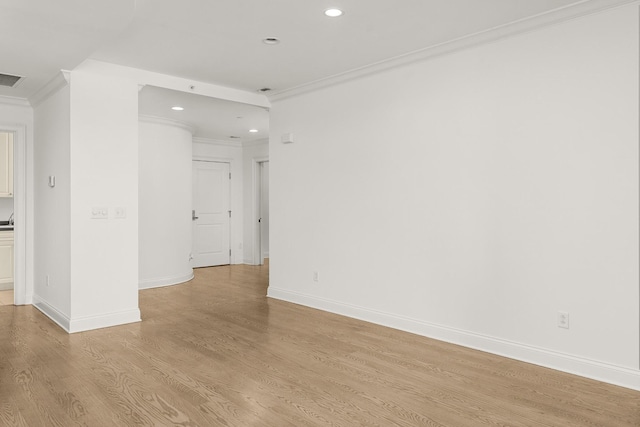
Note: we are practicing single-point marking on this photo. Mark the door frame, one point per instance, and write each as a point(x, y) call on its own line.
point(256, 169)
point(21, 295)
point(229, 161)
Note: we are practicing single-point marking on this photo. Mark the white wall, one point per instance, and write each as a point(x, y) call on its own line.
point(252, 152)
point(472, 196)
point(52, 207)
point(93, 264)
point(104, 173)
point(164, 203)
point(220, 151)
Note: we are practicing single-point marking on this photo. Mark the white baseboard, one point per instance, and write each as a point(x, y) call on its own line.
point(611, 374)
point(86, 323)
point(6, 286)
point(104, 320)
point(51, 312)
point(164, 281)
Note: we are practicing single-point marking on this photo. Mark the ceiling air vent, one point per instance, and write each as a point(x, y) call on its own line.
point(8, 80)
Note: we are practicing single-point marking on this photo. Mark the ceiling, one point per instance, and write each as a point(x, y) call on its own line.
point(38, 38)
point(220, 42)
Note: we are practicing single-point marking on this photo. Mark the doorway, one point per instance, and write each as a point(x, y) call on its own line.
point(13, 252)
point(261, 211)
point(211, 214)
point(6, 218)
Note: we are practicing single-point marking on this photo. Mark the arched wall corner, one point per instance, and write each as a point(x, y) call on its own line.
point(164, 202)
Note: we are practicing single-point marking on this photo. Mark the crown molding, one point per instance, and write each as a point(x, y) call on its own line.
point(13, 101)
point(219, 142)
point(166, 122)
point(533, 23)
point(145, 77)
point(58, 81)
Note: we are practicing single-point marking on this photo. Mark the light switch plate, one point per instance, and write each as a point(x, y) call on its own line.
point(99, 212)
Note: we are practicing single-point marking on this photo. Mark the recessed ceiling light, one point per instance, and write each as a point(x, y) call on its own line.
point(177, 108)
point(333, 13)
point(253, 130)
point(270, 40)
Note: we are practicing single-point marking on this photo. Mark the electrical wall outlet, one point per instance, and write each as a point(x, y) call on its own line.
point(316, 276)
point(563, 319)
point(47, 283)
point(120, 212)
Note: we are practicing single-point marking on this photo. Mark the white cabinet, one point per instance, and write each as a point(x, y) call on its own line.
point(6, 260)
point(6, 164)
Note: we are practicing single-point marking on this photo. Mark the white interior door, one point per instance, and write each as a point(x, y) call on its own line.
point(211, 214)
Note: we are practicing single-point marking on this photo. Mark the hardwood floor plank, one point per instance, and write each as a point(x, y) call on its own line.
point(216, 352)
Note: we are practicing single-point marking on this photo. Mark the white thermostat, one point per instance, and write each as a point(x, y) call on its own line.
point(287, 138)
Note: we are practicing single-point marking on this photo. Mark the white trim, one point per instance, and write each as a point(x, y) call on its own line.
point(214, 159)
point(13, 101)
point(6, 286)
point(256, 191)
point(51, 312)
point(612, 374)
point(220, 142)
point(104, 320)
point(58, 81)
point(21, 252)
point(529, 24)
point(164, 281)
point(166, 122)
point(86, 323)
point(151, 78)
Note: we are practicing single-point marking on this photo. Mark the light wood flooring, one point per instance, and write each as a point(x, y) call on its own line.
point(217, 352)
